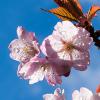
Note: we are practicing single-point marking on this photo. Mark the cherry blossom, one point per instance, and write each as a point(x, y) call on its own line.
point(85, 94)
point(66, 48)
point(68, 44)
point(58, 95)
point(37, 69)
point(25, 47)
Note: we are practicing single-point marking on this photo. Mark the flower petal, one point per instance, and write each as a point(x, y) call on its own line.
point(80, 59)
point(50, 48)
point(84, 94)
point(23, 34)
point(76, 95)
point(83, 39)
point(37, 76)
point(32, 71)
point(52, 77)
point(58, 95)
point(66, 30)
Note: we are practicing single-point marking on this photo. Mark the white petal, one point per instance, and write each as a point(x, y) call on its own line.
point(68, 25)
point(56, 45)
point(20, 32)
point(52, 76)
point(83, 39)
point(80, 59)
point(67, 30)
point(58, 95)
point(78, 55)
point(58, 26)
point(76, 95)
point(50, 46)
point(37, 76)
point(49, 97)
point(86, 93)
point(64, 55)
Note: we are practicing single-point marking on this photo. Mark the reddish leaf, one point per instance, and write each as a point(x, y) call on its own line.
point(78, 4)
point(98, 89)
point(73, 6)
point(63, 14)
point(92, 12)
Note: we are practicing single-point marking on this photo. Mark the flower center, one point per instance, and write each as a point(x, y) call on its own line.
point(68, 46)
point(29, 50)
point(45, 66)
point(23, 50)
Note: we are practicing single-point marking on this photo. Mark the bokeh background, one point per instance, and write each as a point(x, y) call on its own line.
point(27, 13)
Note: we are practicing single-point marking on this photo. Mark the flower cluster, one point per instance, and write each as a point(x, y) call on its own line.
point(67, 47)
point(83, 94)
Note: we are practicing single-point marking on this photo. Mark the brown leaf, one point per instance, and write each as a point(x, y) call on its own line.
point(63, 14)
point(78, 4)
point(73, 6)
point(92, 12)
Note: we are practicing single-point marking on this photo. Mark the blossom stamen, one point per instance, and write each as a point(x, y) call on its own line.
point(67, 46)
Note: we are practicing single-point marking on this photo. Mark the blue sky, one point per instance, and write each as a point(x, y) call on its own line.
point(28, 14)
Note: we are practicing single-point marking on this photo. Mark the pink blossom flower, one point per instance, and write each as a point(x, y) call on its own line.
point(96, 96)
point(85, 94)
point(37, 69)
point(68, 44)
point(58, 95)
point(25, 47)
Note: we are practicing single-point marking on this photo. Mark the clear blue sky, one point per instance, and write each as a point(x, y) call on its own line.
point(28, 14)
